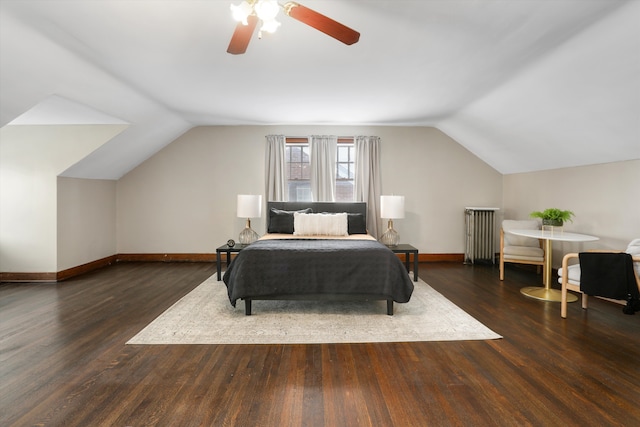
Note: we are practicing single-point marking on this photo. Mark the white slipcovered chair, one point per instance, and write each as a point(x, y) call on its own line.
point(518, 249)
point(571, 280)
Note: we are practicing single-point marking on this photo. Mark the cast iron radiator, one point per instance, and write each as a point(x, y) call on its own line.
point(480, 235)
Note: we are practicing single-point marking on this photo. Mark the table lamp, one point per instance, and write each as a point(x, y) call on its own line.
point(391, 207)
point(249, 206)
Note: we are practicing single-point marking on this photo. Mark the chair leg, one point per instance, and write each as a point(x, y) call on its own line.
point(502, 254)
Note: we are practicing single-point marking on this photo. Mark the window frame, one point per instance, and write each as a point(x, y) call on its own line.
point(343, 140)
point(302, 144)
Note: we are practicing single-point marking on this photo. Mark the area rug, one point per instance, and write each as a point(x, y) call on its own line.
point(205, 316)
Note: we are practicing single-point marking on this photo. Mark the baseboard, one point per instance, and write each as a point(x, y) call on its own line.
point(86, 268)
point(206, 257)
point(28, 277)
point(212, 257)
point(61, 275)
point(166, 257)
point(441, 258)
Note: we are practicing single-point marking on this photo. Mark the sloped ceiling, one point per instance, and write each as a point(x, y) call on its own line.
point(526, 85)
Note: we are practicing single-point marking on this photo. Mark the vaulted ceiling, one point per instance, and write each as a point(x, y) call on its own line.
point(525, 85)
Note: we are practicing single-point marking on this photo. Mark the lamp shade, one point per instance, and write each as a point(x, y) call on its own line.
point(392, 207)
point(249, 206)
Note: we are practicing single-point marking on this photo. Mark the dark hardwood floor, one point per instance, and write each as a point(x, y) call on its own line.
point(63, 361)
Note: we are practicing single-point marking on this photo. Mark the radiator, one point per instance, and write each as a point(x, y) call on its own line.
point(480, 235)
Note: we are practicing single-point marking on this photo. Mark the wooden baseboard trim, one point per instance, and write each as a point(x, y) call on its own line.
point(435, 257)
point(441, 258)
point(60, 275)
point(28, 277)
point(207, 257)
point(86, 268)
point(166, 257)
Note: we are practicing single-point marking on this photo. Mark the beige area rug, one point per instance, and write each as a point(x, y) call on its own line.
point(205, 316)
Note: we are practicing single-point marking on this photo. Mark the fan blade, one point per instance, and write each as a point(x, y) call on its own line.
point(242, 35)
point(322, 23)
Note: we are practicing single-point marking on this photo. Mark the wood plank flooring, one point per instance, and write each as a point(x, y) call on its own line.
point(63, 361)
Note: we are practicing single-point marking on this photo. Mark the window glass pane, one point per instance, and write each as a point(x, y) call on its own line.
point(295, 171)
point(299, 191)
point(343, 153)
point(343, 171)
point(296, 154)
point(344, 191)
point(306, 171)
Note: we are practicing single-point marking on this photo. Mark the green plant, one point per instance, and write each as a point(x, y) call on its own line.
point(553, 214)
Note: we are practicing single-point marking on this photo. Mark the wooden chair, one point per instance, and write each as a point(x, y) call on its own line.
point(520, 250)
point(569, 277)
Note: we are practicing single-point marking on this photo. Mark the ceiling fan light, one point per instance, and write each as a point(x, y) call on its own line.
point(267, 10)
point(270, 26)
point(241, 12)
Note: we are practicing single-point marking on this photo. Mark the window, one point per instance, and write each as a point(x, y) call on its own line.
point(298, 167)
point(345, 172)
point(298, 172)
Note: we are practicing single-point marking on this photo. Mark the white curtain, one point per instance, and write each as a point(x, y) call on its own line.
point(275, 168)
point(367, 179)
point(323, 167)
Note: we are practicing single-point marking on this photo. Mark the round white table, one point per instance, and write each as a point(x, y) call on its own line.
point(546, 293)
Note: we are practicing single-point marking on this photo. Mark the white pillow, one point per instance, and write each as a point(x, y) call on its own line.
point(320, 224)
point(634, 250)
point(634, 247)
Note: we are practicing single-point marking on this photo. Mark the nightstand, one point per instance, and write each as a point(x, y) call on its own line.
point(228, 250)
point(407, 250)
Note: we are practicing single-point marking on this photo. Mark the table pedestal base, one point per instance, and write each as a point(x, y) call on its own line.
point(545, 294)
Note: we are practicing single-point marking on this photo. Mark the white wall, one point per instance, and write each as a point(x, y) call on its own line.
point(605, 199)
point(183, 199)
point(31, 157)
point(86, 221)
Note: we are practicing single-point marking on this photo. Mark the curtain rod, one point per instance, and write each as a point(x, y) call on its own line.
point(306, 138)
point(301, 137)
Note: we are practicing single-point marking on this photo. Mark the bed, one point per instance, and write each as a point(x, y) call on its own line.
point(300, 259)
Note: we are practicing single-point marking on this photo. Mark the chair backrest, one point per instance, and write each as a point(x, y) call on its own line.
point(513, 240)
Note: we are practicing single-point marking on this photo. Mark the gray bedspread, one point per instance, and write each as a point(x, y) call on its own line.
point(299, 267)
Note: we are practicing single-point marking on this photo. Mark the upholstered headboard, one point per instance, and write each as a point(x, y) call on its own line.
point(318, 207)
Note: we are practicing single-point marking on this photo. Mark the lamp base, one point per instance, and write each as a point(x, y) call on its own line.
point(390, 237)
point(248, 235)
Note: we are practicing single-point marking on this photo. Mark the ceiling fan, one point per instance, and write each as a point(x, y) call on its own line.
point(249, 12)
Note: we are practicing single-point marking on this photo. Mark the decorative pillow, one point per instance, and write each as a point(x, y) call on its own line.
point(282, 221)
point(311, 224)
point(356, 223)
